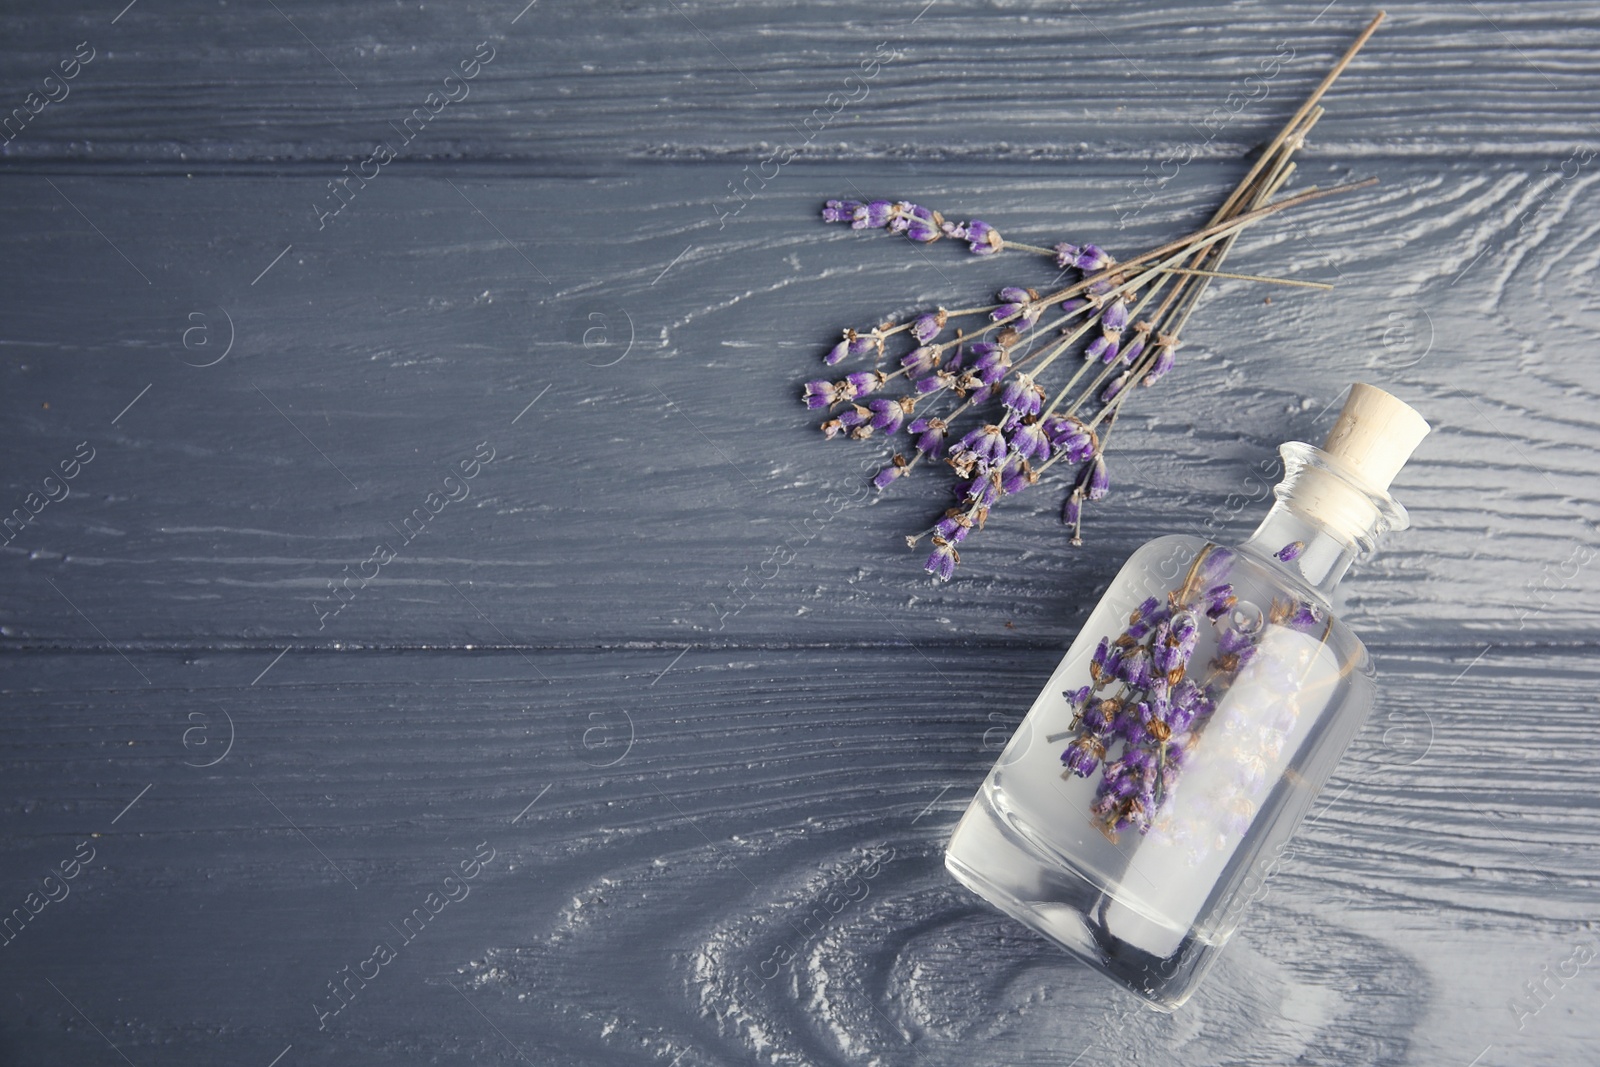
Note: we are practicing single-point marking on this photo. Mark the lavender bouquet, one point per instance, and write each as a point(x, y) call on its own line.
point(977, 398)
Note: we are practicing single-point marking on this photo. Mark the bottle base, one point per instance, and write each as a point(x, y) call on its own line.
point(994, 859)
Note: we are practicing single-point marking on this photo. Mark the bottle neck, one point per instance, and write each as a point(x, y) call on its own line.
point(1323, 558)
point(1324, 519)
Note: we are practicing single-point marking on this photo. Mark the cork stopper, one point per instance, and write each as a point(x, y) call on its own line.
point(1375, 435)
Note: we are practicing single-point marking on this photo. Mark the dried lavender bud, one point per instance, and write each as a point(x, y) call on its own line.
point(1165, 357)
point(1100, 715)
point(839, 210)
point(1084, 755)
point(1113, 387)
point(1068, 434)
point(1219, 600)
point(931, 433)
point(1097, 662)
point(837, 353)
point(1134, 350)
point(1067, 256)
point(921, 360)
point(1072, 510)
point(1135, 668)
point(1073, 304)
point(1097, 349)
point(1092, 258)
point(927, 327)
point(882, 479)
point(933, 382)
point(861, 383)
point(1096, 482)
point(855, 415)
point(1216, 565)
point(818, 394)
point(1012, 301)
point(1030, 442)
point(1115, 317)
point(1015, 474)
point(980, 491)
point(954, 527)
point(1022, 395)
point(983, 239)
point(1291, 551)
point(887, 415)
point(986, 443)
point(942, 562)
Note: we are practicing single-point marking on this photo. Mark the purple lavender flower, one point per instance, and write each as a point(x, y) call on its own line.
point(1219, 600)
point(1135, 349)
point(987, 444)
point(931, 433)
point(1136, 668)
point(872, 215)
point(917, 222)
point(887, 415)
point(921, 360)
point(882, 479)
point(1077, 699)
point(1305, 617)
point(934, 382)
point(1072, 511)
point(818, 393)
point(861, 383)
point(1291, 551)
point(1165, 357)
point(837, 353)
point(1030, 442)
point(922, 231)
point(1115, 317)
point(1022, 395)
point(854, 416)
point(1095, 480)
point(1075, 440)
point(839, 210)
point(1218, 561)
point(942, 562)
point(1092, 258)
point(1115, 386)
point(1097, 662)
point(926, 327)
point(1170, 651)
point(1015, 301)
point(1067, 256)
point(982, 239)
point(981, 491)
point(1132, 721)
point(1099, 716)
point(1015, 474)
point(954, 526)
point(1083, 755)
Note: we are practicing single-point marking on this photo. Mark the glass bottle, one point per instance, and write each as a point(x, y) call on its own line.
point(1155, 782)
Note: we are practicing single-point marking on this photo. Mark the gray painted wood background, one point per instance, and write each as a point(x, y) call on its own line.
point(592, 671)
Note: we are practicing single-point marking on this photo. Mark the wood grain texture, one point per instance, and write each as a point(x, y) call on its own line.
point(660, 832)
point(675, 744)
point(587, 85)
point(658, 497)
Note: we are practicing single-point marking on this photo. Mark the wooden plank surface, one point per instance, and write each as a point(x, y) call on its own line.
point(667, 658)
